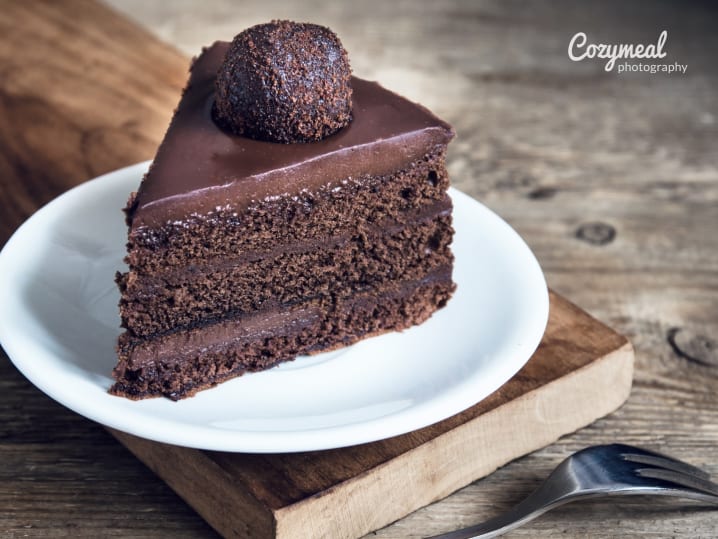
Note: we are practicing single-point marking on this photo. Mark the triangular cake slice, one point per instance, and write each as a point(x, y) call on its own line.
point(245, 253)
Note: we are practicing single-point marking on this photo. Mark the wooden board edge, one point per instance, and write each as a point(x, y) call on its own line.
point(205, 486)
point(456, 458)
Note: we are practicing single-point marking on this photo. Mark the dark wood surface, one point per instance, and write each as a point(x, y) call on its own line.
point(612, 180)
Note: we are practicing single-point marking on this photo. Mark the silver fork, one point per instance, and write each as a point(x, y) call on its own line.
point(602, 470)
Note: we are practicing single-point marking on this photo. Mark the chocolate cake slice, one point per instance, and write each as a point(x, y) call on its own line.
point(248, 247)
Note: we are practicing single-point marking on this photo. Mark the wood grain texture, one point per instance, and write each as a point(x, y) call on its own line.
point(581, 371)
point(56, 58)
point(564, 151)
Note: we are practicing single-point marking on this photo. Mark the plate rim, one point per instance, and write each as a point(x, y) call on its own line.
point(195, 436)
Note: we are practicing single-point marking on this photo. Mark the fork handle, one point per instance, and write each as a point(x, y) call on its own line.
point(491, 528)
point(531, 507)
point(536, 505)
point(549, 494)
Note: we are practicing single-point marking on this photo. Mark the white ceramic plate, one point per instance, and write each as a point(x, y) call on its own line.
point(59, 322)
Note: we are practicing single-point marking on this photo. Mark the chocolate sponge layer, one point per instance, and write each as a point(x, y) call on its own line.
point(213, 296)
point(284, 276)
point(180, 364)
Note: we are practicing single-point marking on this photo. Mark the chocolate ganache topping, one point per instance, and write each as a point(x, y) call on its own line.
point(284, 82)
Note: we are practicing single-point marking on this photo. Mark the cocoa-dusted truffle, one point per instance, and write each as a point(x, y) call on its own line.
point(284, 82)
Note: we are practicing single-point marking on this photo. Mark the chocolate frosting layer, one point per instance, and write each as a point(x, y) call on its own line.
point(199, 167)
point(270, 322)
point(263, 325)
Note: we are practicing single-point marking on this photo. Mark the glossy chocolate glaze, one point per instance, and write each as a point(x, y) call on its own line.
point(199, 167)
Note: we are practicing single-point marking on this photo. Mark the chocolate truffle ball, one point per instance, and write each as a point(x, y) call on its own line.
point(284, 82)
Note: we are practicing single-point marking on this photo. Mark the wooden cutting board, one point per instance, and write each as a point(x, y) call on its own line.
point(86, 91)
point(581, 371)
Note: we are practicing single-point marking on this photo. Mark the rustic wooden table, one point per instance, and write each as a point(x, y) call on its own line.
point(612, 179)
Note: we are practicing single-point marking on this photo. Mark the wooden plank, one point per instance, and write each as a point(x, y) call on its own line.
point(581, 371)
